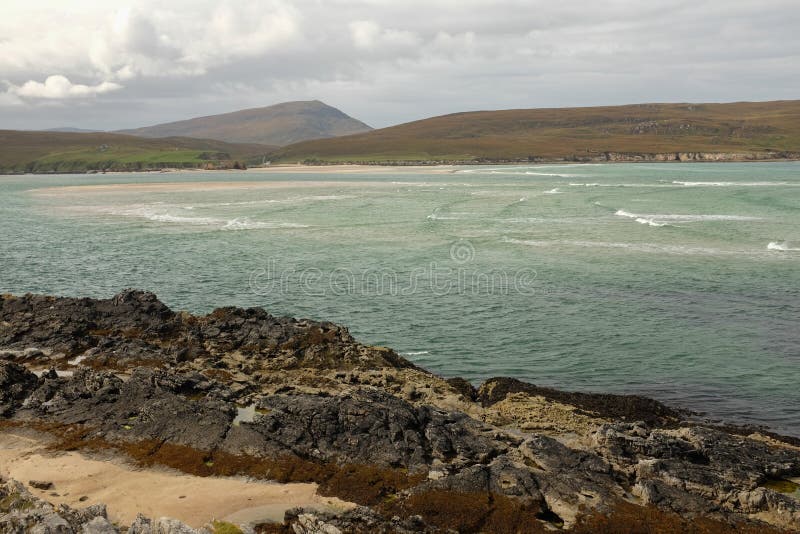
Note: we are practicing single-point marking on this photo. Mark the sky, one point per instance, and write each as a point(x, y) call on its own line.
point(113, 64)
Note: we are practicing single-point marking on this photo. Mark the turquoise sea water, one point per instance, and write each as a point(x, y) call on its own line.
point(676, 281)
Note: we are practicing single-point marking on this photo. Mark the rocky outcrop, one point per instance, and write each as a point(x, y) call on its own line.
point(240, 392)
point(21, 512)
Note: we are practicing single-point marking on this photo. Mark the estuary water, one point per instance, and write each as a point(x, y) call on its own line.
point(676, 281)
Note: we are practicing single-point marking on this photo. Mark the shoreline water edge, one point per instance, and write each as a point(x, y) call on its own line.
point(394, 165)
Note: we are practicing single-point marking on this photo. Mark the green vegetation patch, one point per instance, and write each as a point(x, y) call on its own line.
point(223, 527)
point(782, 486)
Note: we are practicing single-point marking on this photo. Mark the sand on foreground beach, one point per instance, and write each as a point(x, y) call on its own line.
point(127, 490)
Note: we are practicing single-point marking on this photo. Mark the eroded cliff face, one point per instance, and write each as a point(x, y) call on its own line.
point(243, 392)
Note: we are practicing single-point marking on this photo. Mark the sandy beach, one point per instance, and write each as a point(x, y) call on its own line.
point(294, 168)
point(355, 169)
point(81, 481)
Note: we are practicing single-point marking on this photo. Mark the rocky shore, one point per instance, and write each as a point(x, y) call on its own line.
point(241, 393)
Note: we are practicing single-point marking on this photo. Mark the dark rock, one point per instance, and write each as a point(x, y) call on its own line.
point(360, 520)
point(464, 387)
point(40, 485)
point(135, 328)
point(164, 387)
point(16, 383)
point(372, 427)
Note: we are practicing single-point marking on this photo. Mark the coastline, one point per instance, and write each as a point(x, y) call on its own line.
point(242, 393)
point(446, 166)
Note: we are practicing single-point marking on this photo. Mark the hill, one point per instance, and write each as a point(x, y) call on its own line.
point(29, 151)
point(280, 125)
point(744, 130)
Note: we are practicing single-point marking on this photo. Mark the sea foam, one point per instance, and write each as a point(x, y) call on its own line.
point(641, 219)
point(240, 223)
point(731, 184)
point(670, 219)
point(781, 246)
point(651, 248)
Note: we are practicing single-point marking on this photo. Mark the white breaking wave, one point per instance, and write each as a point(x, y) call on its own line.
point(640, 218)
point(167, 218)
point(595, 184)
point(415, 353)
point(732, 184)
point(696, 218)
point(553, 191)
point(242, 223)
point(781, 246)
point(635, 247)
point(270, 201)
point(669, 219)
point(247, 224)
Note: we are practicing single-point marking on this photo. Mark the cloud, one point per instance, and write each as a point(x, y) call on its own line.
point(385, 61)
point(58, 87)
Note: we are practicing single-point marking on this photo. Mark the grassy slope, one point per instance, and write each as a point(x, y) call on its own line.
point(569, 132)
point(25, 151)
point(281, 124)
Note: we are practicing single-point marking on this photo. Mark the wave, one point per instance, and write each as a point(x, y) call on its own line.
point(781, 246)
point(167, 218)
point(246, 224)
point(553, 191)
point(697, 218)
point(269, 201)
point(415, 353)
point(640, 218)
point(557, 175)
point(669, 219)
point(732, 184)
point(595, 184)
point(240, 223)
point(635, 247)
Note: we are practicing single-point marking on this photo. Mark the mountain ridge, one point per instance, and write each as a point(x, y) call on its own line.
point(279, 124)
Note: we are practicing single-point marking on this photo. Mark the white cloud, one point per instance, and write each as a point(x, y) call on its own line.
point(364, 33)
point(57, 87)
point(368, 35)
point(385, 61)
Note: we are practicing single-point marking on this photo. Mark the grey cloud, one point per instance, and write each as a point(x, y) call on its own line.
point(387, 62)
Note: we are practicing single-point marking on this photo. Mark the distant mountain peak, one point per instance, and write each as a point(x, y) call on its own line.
point(280, 124)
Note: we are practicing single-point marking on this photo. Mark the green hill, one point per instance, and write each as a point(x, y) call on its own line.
point(280, 125)
point(30, 151)
point(743, 130)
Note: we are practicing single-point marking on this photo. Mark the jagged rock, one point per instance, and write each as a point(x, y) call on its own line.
point(99, 525)
point(360, 520)
point(148, 378)
point(134, 327)
point(501, 476)
point(371, 427)
point(20, 512)
point(143, 525)
point(697, 470)
point(16, 383)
